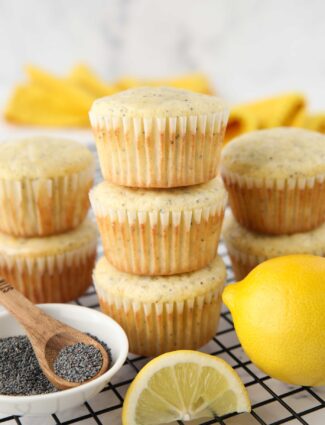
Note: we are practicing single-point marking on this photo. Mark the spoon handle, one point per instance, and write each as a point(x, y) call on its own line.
point(27, 314)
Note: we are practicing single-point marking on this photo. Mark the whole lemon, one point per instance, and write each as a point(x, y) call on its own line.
point(279, 316)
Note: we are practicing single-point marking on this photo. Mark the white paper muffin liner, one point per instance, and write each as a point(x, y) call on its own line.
point(156, 328)
point(243, 263)
point(159, 242)
point(159, 152)
point(51, 278)
point(277, 206)
point(43, 207)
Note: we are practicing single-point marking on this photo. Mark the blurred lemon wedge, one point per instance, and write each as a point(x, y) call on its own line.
point(183, 385)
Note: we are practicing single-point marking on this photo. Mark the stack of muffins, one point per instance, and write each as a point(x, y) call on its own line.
point(47, 247)
point(159, 212)
point(276, 184)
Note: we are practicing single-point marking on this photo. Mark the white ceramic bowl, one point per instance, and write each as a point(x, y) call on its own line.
point(86, 320)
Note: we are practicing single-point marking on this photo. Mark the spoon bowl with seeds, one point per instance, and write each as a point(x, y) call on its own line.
point(51, 340)
point(24, 390)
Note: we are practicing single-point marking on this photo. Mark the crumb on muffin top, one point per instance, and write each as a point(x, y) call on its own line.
point(157, 102)
point(43, 157)
point(275, 153)
point(51, 245)
point(157, 289)
point(266, 246)
point(107, 196)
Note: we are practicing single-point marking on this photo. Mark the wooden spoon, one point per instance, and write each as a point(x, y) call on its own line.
point(47, 335)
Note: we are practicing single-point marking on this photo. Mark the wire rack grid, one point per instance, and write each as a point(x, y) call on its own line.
point(273, 403)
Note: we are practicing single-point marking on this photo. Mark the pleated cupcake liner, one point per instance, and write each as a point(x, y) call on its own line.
point(156, 328)
point(243, 263)
point(159, 152)
point(160, 243)
point(43, 207)
point(277, 206)
point(51, 278)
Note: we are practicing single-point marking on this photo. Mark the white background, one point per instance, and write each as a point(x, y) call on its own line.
point(249, 48)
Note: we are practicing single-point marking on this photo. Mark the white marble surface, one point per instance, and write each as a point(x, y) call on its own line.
point(249, 48)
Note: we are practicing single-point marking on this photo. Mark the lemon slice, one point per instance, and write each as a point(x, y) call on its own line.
point(183, 385)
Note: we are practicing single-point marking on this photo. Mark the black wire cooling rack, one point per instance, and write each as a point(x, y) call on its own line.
point(273, 403)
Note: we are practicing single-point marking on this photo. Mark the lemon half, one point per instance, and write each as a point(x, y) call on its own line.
point(183, 385)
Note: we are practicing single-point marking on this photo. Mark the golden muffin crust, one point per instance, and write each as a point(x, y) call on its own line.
point(260, 245)
point(157, 102)
point(154, 289)
point(42, 157)
point(51, 245)
point(278, 153)
point(109, 196)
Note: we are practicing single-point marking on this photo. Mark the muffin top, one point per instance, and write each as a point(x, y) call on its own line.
point(154, 289)
point(42, 157)
point(276, 153)
point(260, 245)
point(157, 102)
point(106, 196)
point(51, 245)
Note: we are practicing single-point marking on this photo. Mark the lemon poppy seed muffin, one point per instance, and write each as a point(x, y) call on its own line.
point(158, 136)
point(44, 184)
point(50, 269)
point(248, 249)
point(161, 314)
point(158, 231)
point(276, 180)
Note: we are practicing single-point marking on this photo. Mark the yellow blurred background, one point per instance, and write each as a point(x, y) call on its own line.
point(46, 99)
